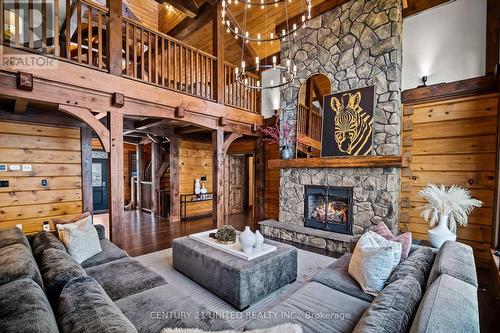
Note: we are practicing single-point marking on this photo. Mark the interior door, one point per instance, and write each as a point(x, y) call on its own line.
point(236, 172)
point(100, 184)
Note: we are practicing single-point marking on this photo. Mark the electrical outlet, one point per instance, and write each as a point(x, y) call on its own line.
point(27, 167)
point(44, 183)
point(19, 226)
point(46, 226)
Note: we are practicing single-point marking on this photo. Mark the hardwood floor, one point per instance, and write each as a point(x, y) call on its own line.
point(146, 233)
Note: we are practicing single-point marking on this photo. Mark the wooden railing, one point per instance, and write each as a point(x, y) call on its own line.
point(309, 122)
point(157, 58)
point(80, 38)
point(236, 94)
point(79, 33)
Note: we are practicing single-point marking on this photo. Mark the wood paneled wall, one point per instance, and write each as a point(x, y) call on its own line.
point(54, 154)
point(146, 11)
point(272, 183)
point(451, 142)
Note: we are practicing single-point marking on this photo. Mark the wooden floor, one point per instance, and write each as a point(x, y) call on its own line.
point(146, 234)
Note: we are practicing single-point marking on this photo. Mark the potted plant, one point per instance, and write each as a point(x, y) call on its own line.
point(273, 133)
point(448, 206)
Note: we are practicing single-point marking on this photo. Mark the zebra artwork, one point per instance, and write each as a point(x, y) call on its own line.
point(349, 116)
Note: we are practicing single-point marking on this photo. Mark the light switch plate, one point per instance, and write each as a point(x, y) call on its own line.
point(27, 167)
point(14, 167)
point(44, 183)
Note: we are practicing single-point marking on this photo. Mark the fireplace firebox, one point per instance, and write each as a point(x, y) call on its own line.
point(328, 208)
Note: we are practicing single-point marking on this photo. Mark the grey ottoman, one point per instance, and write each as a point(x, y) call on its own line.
point(237, 281)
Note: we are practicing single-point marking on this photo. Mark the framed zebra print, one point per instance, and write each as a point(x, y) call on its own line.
point(348, 123)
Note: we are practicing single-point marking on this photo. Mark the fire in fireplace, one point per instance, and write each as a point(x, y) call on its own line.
point(328, 208)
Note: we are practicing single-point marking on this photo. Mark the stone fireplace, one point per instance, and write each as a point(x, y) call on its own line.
point(355, 45)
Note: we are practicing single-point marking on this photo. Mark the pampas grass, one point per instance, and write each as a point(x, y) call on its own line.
point(454, 201)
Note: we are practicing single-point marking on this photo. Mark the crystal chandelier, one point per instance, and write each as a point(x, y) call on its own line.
point(286, 71)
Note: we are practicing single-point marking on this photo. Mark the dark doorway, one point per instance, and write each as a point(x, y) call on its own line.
point(100, 184)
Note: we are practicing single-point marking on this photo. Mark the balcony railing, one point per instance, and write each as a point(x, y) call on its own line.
point(309, 122)
point(77, 31)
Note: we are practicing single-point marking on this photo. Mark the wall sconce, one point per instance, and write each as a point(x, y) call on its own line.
point(424, 82)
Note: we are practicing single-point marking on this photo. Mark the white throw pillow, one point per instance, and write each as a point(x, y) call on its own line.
point(80, 238)
point(373, 261)
point(396, 247)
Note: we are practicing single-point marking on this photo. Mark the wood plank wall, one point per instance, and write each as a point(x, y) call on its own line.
point(272, 183)
point(146, 11)
point(451, 142)
point(54, 153)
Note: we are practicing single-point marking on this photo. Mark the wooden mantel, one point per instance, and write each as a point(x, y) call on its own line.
point(339, 162)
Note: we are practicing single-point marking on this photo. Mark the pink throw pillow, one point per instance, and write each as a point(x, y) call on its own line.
point(404, 239)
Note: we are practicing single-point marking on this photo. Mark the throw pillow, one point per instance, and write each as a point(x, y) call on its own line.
point(404, 239)
point(372, 262)
point(284, 328)
point(58, 222)
point(81, 239)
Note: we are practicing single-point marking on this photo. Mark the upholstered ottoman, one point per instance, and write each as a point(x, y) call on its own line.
point(237, 281)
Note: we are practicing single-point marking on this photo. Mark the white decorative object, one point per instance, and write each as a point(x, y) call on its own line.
point(197, 188)
point(259, 239)
point(247, 240)
point(80, 238)
point(441, 233)
point(203, 190)
point(233, 249)
point(372, 262)
point(451, 206)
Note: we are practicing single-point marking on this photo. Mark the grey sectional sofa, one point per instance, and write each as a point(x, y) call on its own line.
point(42, 289)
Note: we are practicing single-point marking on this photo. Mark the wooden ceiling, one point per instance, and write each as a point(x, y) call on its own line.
point(191, 22)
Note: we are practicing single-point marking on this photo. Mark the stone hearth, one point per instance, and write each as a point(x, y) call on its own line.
point(355, 45)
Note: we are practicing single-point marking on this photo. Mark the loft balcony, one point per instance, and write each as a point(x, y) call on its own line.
point(91, 35)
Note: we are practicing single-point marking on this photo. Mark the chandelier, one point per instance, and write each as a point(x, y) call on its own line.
point(241, 31)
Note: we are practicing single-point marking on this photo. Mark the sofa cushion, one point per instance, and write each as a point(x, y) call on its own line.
point(455, 259)
point(101, 231)
point(418, 264)
point(393, 309)
point(57, 268)
point(109, 253)
point(336, 276)
point(145, 311)
point(316, 308)
point(448, 305)
point(13, 236)
point(85, 307)
point(25, 309)
point(45, 240)
point(17, 262)
point(80, 238)
point(124, 277)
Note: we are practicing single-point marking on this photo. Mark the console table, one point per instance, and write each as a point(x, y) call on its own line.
point(192, 198)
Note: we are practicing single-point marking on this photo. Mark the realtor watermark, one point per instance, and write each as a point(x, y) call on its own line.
point(250, 315)
point(28, 35)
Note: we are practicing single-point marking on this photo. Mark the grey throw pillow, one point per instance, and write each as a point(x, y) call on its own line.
point(372, 262)
point(392, 311)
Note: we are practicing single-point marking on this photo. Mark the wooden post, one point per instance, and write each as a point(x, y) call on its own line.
point(218, 176)
point(114, 34)
point(218, 47)
point(259, 197)
point(175, 204)
point(86, 143)
point(116, 196)
point(155, 184)
point(140, 173)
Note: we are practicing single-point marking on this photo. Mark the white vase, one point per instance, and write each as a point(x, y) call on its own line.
point(259, 239)
point(197, 187)
point(440, 234)
point(247, 240)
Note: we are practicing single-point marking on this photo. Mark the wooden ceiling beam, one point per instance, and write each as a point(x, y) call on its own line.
point(20, 106)
point(148, 123)
point(101, 115)
point(189, 25)
point(191, 129)
point(188, 7)
point(416, 6)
